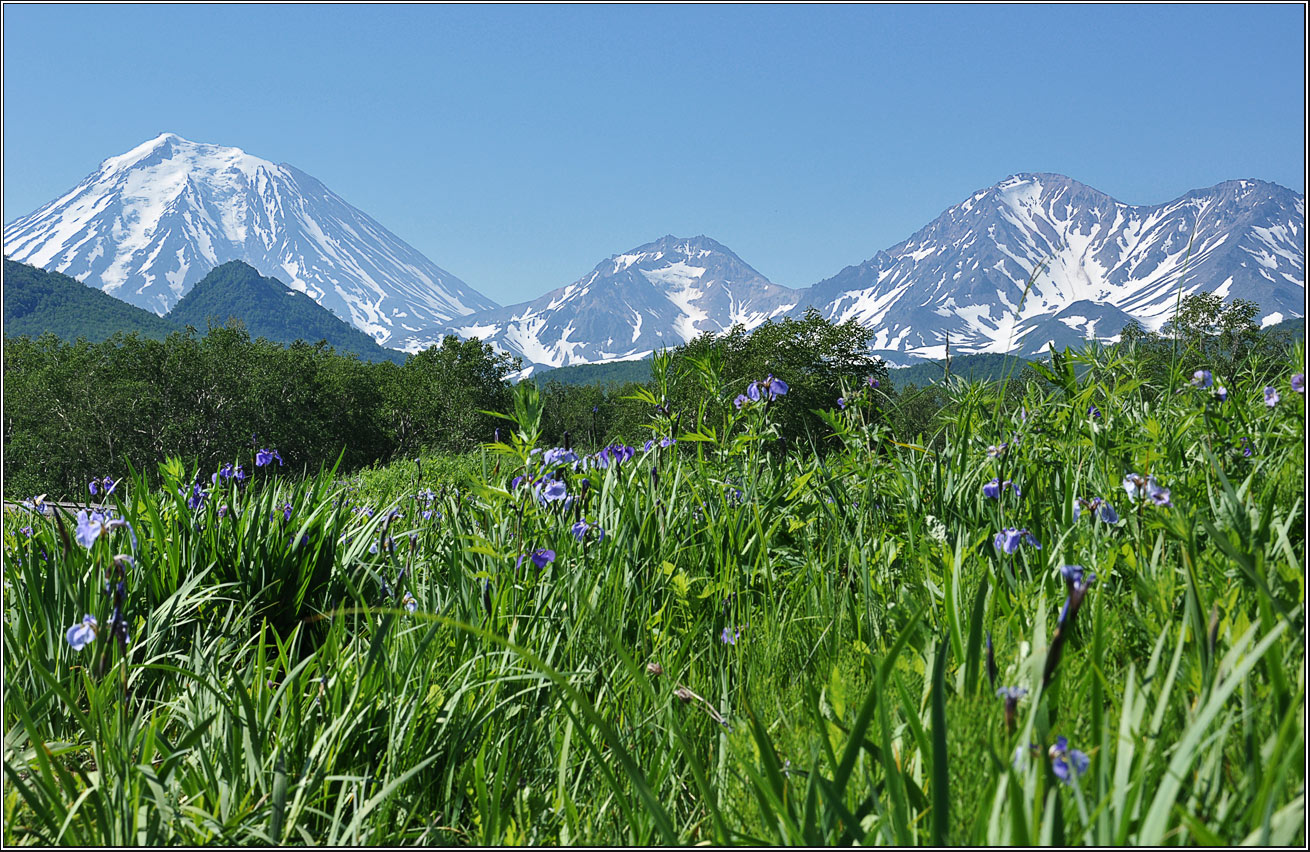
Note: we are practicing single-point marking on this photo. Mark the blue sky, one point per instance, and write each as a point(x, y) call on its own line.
point(519, 146)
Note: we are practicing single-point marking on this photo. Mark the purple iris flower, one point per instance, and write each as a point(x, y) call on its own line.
point(94, 487)
point(1009, 539)
point(109, 484)
point(774, 387)
point(554, 490)
point(1099, 506)
point(583, 527)
point(740, 401)
point(541, 557)
point(1134, 485)
point(648, 446)
point(1221, 393)
point(841, 402)
point(286, 511)
point(1067, 763)
point(994, 488)
point(1093, 412)
point(1158, 494)
point(667, 442)
point(1202, 379)
point(753, 391)
point(557, 456)
point(89, 527)
point(1271, 396)
point(1246, 446)
point(1073, 574)
point(409, 603)
point(873, 383)
point(616, 453)
point(1298, 382)
point(730, 636)
point(264, 457)
point(36, 504)
point(80, 635)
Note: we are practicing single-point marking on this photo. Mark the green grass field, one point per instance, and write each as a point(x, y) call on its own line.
point(710, 641)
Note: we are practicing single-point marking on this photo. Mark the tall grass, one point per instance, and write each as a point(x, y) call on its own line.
point(763, 647)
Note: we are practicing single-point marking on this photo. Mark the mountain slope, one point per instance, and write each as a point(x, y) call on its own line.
point(268, 309)
point(660, 294)
point(37, 301)
point(965, 274)
point(147, 225)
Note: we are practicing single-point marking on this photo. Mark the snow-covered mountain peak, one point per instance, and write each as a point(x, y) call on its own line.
point(149, 223)
point(172, 152)
point(667, 250)
point(1007, 264)
point(656, 295)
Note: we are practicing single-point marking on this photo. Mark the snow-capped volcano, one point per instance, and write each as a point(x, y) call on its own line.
point(661, 294)
point(150, 223)
point(965, 274)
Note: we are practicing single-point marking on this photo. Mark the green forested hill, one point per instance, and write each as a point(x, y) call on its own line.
point(615, 373)
point(37, 301)
point(269, 309)
point(982, 366)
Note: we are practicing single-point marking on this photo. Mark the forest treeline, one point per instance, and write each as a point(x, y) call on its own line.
point(74, 411)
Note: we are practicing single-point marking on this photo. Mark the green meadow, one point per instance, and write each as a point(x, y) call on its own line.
point(1068, 609)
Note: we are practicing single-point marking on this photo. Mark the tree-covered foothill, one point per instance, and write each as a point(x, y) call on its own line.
point(612, 373)
point(269, 309)
point(38, 302)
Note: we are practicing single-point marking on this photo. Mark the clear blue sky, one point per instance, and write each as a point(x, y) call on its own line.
point(518, 146)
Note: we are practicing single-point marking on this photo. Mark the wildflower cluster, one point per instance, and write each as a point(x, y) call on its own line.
point(228, 472)
point(992, 490)
point(541, 557)
point(1098, 507)
point(584, 528)
point(1138, 487)
point(1009, 539)
point(767, 390)
point(106, 485)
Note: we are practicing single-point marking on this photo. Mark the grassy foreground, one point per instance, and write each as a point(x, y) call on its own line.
point(1079, 620)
